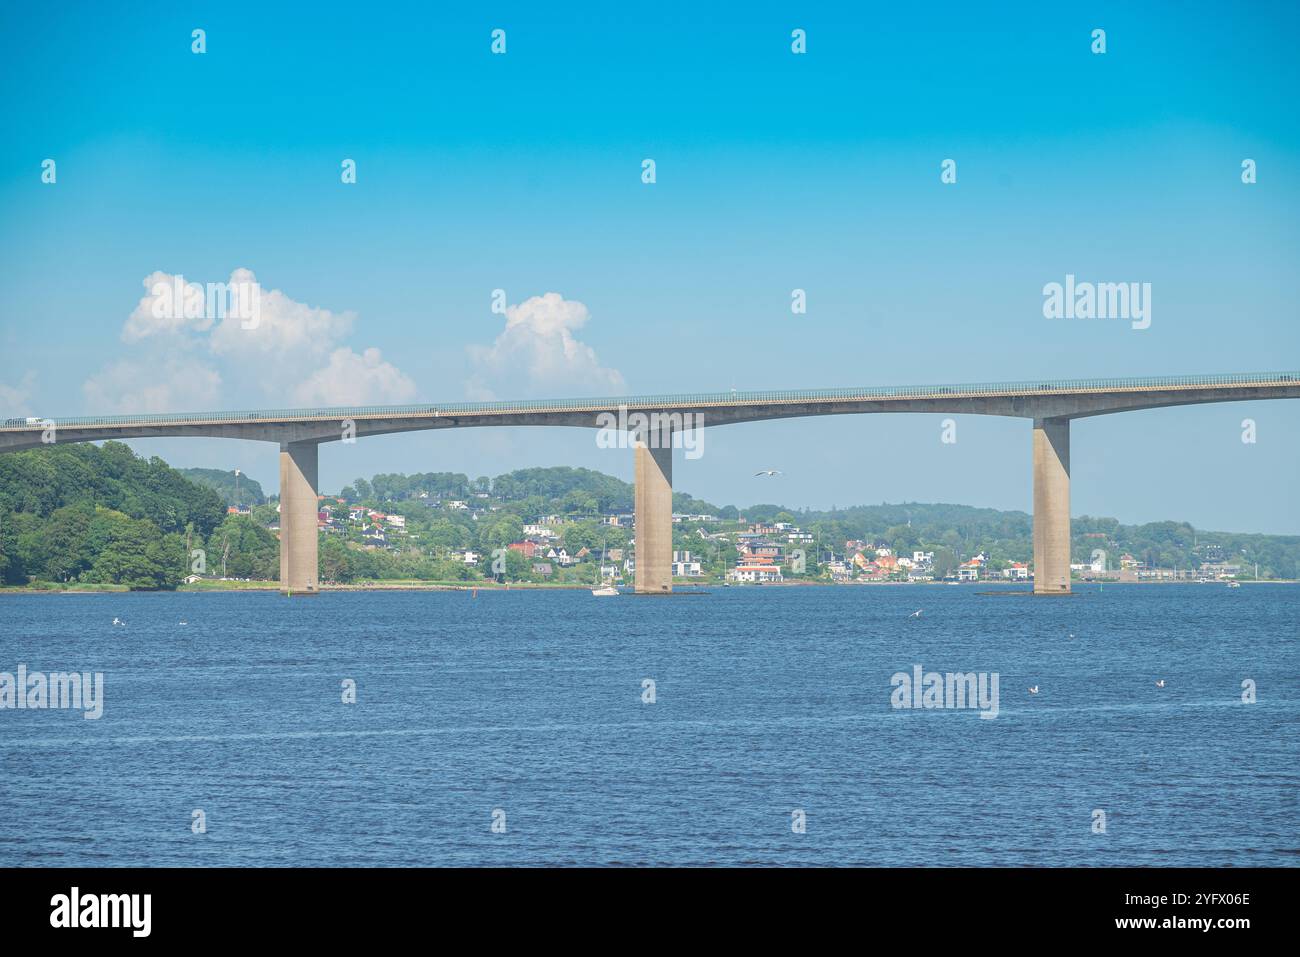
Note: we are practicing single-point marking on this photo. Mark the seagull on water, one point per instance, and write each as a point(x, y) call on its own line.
point(119, 621)
point(1034, 690)
point(1160, 683)
point(767, 472)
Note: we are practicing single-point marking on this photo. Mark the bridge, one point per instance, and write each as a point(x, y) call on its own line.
point(651, 423)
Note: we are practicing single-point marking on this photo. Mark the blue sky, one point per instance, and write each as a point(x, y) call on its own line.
point(775, 171)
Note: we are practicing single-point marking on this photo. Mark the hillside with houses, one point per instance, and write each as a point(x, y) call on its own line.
point(576, 526)
point(82, 515)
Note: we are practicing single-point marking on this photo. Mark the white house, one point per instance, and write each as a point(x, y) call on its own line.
point(684, 566)
point(755, 572)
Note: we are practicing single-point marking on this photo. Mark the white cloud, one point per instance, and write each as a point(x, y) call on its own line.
point(538, 352)
point(351, 379)
point(15, 399)
point(284, 330)
point(156, 314)
point(174, 384)
point(287, 352)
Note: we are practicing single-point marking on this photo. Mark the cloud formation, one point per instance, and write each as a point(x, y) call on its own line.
point(15, 400)
point(171, 384)
point(187, 356)
point(537, 352)
point(351, 379)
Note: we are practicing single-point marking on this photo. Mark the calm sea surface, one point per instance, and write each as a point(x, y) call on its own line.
point(767, 701)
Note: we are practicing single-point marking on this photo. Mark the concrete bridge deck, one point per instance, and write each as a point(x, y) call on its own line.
point(1051, 404)
point(1071, 398)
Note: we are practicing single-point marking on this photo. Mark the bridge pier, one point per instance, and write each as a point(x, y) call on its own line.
point(1052, 506)
point(298, 508)
point(653, 495)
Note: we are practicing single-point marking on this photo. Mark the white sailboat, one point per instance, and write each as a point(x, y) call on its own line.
point(606, 589)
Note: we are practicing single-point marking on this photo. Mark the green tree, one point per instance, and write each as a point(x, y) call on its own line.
point(133, 552)
point(945, 562)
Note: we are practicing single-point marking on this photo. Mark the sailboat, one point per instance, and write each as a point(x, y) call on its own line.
point(607, 589)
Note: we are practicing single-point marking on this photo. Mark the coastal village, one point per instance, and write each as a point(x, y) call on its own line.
point(707, 549)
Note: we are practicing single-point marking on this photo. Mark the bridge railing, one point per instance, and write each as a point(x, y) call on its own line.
point(1028, 387)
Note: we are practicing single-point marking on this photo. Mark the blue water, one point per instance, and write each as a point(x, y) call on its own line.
point(767, 700)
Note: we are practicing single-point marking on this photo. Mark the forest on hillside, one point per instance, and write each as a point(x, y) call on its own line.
point(234, 489)
point(103, 515)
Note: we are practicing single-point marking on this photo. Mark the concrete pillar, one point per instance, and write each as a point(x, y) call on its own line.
point(1051, 506)
point(654, 518)
point(298, 518)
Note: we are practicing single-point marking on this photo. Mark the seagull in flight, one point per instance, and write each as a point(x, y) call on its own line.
point(768, 472)
point(119, 621)
point(915, 614)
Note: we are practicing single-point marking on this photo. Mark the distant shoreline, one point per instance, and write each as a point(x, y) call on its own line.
point(271, 586)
